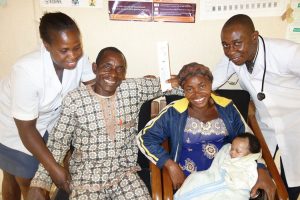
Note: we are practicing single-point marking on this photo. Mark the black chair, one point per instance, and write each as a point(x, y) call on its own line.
point(144, 117)
point(241, 99)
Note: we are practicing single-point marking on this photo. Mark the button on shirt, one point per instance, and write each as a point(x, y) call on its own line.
point(33, 90)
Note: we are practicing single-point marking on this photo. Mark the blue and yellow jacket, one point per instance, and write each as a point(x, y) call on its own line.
point(170, 124)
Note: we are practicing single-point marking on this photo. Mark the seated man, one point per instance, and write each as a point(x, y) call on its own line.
point(100, 121)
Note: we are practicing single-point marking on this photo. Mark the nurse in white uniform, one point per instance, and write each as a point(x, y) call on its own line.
point(269, 69)
point(30, 101)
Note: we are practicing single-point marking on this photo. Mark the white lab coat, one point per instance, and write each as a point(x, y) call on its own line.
point(279, 113)
point(33, 90)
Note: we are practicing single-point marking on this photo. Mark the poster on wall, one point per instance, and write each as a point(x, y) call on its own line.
point(2, 2)
point(72, 3)
point(223, 9)
point(174, 11)
point(140, 10)
point(293, 29)
point(153, 10)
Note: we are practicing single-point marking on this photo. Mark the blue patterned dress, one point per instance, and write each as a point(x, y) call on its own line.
point(201, 142)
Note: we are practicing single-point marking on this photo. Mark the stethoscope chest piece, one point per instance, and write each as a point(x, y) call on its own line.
point(261, 96)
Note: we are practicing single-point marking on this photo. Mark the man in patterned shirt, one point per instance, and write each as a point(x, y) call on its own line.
point(100, 121)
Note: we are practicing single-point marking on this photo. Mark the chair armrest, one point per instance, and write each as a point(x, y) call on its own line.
point(154, 109)
point(166, 179)
point(167, 185)
point(161, 182)
point(156, 185)
point(252, 122)
point(156, 180)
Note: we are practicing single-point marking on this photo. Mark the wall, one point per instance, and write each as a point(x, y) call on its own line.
point(198, 41)
point(17, 31)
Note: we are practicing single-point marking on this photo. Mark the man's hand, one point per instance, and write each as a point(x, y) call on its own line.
point(176, 174)
point(36, 193)
point(264, 182)
point(61, 178)
point(173, 80)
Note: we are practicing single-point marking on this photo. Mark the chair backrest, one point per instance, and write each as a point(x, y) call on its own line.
point(144, 117)
point(240, 98)
point(144, 114)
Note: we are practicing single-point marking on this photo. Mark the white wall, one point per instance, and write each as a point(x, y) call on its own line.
point(17, 31)
point(198, 41)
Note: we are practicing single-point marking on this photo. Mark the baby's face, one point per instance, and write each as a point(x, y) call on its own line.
point(239, 147)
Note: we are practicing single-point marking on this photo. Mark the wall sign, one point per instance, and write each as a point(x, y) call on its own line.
point(223, 9)
point(153, 10)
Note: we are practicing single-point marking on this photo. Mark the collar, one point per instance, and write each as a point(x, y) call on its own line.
point(250, 64)
point(181, 105)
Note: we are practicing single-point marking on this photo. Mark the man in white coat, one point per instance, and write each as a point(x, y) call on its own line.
point(269, 69)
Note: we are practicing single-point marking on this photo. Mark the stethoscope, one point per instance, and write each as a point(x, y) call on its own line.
point(261, 95)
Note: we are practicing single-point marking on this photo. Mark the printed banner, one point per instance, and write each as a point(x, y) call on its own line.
point(153, 10)
point(174, 11)
point(130, 10)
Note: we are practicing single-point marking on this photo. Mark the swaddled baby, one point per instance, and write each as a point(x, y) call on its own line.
point(231, 176)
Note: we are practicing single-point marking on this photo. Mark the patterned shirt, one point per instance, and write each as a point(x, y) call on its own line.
point(99, 159)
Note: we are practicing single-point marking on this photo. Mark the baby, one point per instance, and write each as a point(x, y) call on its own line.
point(231, 176)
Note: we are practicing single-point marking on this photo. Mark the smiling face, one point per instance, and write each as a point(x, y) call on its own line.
point(239, 43)
point(110, 71)
point(239, 147)
point(197, 90)
point(65, 48)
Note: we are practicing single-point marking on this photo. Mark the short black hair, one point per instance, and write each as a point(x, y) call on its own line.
point(56, 21)
point(107, 49)
point(193, 69)
point(254, 146)
point(240, 19)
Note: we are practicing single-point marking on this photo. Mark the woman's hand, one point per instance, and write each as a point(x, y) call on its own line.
point(36, 193)
point(61, 178)
point(264, 182)
point(174, 81)
point(176, 174)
